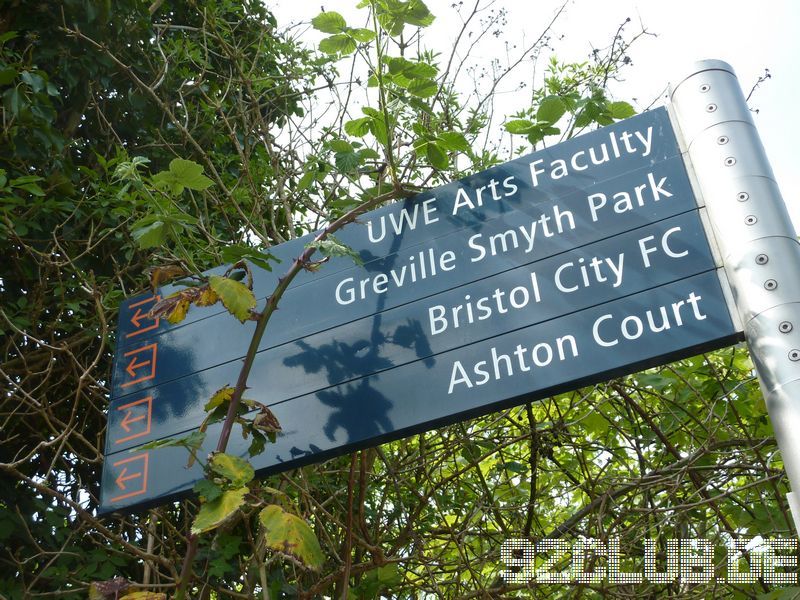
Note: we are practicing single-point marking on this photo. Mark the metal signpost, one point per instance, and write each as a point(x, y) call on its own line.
point(564, 268)
point(759, 245)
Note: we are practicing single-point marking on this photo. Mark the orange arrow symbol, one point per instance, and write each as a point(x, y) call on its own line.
point(129, 418)
point(136, 364)
point(131, 368)
point(137, 317)
point(141, 315)
point(138, 471)
point(143, 409)
point(123, 477)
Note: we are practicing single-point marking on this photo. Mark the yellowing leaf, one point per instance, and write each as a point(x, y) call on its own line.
point(207, 297)
point(143, 596)
point(236, 470)
point(159, 275)
point(178, 313)
point(235, 296)
point(213, 514)
point(290, 535)
point(223, 394)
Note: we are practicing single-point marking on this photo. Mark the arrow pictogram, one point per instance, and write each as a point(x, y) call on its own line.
point(135, 364)
point(133, 469)
point(129, 418)
point(123, 477)
point(137, 317)
point(141, 368)
point(140, 316)
point(136, 418)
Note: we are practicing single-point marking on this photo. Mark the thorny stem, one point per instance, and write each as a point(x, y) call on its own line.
point(298, 265)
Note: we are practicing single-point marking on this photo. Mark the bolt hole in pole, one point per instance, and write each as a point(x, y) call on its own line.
point(762, 259)
point(711, 107)
point(750, 220)
point(770, 284)
point(730, 161)
point(723, 139)
point(705, 87)
point(742, 196)
point(794, 355)
point(785, 327)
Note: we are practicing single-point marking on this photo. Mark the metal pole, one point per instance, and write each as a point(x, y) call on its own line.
point(755, 236)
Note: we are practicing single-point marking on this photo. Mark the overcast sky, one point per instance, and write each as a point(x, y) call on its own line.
point(751, 36)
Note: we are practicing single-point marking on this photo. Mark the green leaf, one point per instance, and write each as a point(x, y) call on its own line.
point(235, 296)
point(420, 70)
point(423, 88)
point(453, 141)
point(417, 13)
point(13, 97)
point(189, 174)
point(340, 146)
point(621, 110)
point(7, 76)
point(519, 126)
point(290, 535)
point(365, 153)
point(258, 443)
point(332, 247)
point(410, 70)
point(347, 162)
point(193, 441)
point(34, 81)
point(358, 127)
point(182, 174)
point(150, 236)
point(307, 179)
point(436, 156)
point(32, 189)
point(237, 252)
point(394, 15)
point(362, 35)
point(213, 514)
point(329, 22)
point(338, 44)
point(207, 490)
point(236, 470)
point(551, 109)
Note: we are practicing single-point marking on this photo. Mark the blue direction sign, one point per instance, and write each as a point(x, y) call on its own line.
point(514, 238)
point(672, 321)
point(554, 247)
point(647, 257)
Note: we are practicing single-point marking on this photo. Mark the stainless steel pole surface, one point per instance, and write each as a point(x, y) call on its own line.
point(755, 236)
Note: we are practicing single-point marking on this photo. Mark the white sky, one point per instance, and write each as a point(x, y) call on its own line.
point(751, 36)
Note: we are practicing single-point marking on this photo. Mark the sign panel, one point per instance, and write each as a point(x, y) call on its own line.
point(666, 251)
point(540, 275)
point(465, 255)
point(658, 325)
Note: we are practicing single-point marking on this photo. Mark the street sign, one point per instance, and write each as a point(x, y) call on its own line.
point(445, 262)
point(553, 271)
point(653, 255)
point(672, 321)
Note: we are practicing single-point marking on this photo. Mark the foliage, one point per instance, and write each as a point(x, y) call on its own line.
point(143, 144)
